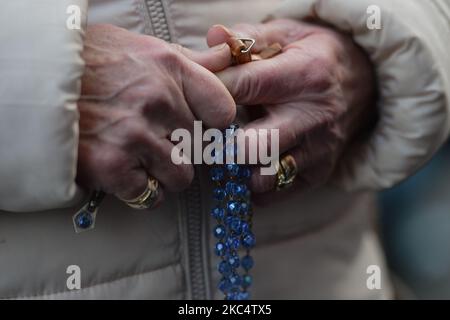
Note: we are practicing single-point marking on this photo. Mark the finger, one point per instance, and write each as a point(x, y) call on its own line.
point(166, 110)
point(208, 98)
point(214, 59)
point(276, 133)
point(274, 80)
point(315, 158)
point(156, 157)
point(279, 31)
point(265, 183)
point(136, 184)
point(220, 34)
point(309, 177)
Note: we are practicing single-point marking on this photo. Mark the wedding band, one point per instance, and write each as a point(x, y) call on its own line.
point(148, 198)
point(286, 172)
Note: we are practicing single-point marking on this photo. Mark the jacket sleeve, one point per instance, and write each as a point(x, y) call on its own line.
point(40, 71)
point(411, 54)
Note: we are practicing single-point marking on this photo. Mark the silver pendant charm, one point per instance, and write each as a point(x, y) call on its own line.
point(84, 219)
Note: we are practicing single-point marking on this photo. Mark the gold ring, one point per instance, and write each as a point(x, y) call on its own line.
point(286, 172)
point(147, 199)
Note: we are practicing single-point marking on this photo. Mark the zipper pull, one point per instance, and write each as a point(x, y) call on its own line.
point(84, 219)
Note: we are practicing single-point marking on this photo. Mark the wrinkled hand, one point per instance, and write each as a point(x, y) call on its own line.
point(318, 92)
point(135, 91)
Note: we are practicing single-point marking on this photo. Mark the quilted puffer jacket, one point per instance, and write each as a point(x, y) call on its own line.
point(317, 245)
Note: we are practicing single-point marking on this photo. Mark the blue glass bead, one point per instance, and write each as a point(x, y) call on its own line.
point(219, 194)
point(245, 227)
point(224, 268)
point(235, 280)
point(234, 261)
point(236, 225)
point(235, 189)
point(224, 285)
point(248, 241)
point(220, 249)
point(241, 190)
point(233, 169)
point(247, 281)
point(233, 207)
point(84, 220)
point(233, 243)
point(217, 174)
point(245, 208)
point(218, 213)
point(230, 187)
point(219, 231)
point(228, 220)
point(247, 262)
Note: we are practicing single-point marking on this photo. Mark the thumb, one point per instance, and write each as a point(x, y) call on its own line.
point(260, 82)
point(214, 59)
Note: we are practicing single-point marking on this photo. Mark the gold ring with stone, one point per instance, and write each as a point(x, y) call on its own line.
point(147, 199)
point(286, 172)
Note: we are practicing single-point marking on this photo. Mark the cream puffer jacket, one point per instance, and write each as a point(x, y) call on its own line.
point(317, 245)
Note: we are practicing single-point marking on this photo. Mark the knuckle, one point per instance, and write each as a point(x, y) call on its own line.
point(167, 54)
point(172, 56)
point(134, 133)
point(176, 48)
point(157, 99)
point(116, 167)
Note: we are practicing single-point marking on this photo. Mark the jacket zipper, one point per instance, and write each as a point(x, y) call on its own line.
point(195, 241)
point(194, 224)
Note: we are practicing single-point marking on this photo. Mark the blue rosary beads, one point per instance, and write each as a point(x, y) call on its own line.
point(233, 231)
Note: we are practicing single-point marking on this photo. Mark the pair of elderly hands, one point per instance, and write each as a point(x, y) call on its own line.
point(137, 89)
